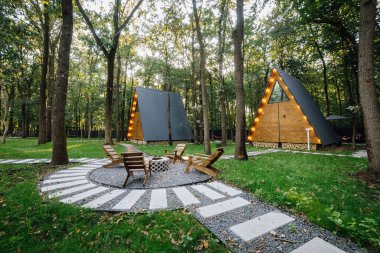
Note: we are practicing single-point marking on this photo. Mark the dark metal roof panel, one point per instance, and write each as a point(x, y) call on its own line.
point(154, 117)
point(321, 127)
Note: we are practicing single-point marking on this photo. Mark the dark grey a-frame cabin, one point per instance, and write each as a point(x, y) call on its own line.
point(149, 117)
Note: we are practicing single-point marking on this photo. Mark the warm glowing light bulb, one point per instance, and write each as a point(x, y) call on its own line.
point(253, 129)
point(271, 80)
point(130, 128)
point(131, 122)
point(274, 71)
point(250, 138)
point(267, 90)
point(132, 114)
point(134, 103)
point(264, 100)
point(136, 95)
point(257, 120)
point(318, 141)
point(260, 110)
point(129, 134)
point(305, 117)
point(298, 107)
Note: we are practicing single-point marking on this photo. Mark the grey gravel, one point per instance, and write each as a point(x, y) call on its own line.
point(284, 239)
point(175, 176)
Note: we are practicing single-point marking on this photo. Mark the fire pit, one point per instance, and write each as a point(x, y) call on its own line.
point(158, 164)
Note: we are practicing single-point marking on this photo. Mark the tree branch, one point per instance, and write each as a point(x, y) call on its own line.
point(90, 25)
point(129, 16)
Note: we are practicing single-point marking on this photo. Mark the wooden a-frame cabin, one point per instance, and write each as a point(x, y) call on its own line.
point(148, 120)
point(287, 115)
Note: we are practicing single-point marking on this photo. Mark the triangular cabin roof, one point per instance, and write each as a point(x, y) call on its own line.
point(152, 106)
point(299, 95)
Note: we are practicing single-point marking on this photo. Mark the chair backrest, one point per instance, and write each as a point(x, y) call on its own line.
point(110, 152)
point(133, 160)
point(214, 157)
point(180, 148)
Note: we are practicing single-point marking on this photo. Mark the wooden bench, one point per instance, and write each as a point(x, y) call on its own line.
point(134, 162)
point(204, 163)
point(112, 155)
point(177, 153)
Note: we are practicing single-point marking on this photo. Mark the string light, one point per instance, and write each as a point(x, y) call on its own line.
point(257, 120)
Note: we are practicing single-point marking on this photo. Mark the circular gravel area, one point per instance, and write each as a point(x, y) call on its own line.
point(175, 176)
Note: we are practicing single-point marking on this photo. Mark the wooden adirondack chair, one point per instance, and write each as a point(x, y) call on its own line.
point(133, 162)
point(204, 163)
point(177, 153)
point(112, 155)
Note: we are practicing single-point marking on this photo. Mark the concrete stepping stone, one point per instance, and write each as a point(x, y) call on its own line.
point(64, 179)
point(158, 199)
point(71, 190)
point(8, 161)
point(225, 188)
point(256, 227)
point(23, 161)
point(84, 195)
point(222, 207)
point(68, 175)
point(69, 171)
point(128, 201)
point(104, 199)
point(211, 194)
point(63, 185)
point(186, 197)
point(317, 245)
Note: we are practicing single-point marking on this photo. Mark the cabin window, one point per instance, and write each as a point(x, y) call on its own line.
point(278, 94)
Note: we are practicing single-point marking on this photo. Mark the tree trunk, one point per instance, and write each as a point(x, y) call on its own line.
point(10, 123)
point(240, 151)
point(117, 113)
point(325, 81)
point(123, 110)
point(194, 87)
point(221, 39)
point(108, 101)
point(43, 84)
point(50, 89)
point(59, 100)
point(368, 98)
point(206, 133)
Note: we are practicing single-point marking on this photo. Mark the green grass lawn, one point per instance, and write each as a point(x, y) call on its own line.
point(191, 149)
point(320, 188)
point(31, 224)
point(17, 148)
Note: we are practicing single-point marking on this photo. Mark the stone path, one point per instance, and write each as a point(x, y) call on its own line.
point(237, 218)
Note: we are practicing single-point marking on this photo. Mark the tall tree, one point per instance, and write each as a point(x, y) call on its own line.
point(110, 57)
point(238, 36)
point(44, 20)
point(206, 132)
point(59, 100)
point(368, 98)
point(221, 42)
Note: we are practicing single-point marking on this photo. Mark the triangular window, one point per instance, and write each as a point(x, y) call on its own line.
point(278, 94)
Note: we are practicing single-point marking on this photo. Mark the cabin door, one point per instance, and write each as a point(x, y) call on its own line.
point(281, 102)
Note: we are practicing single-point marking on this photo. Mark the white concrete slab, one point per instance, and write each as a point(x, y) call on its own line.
point(82, 159)
point(158, 199)
point(7, 161)
point(186, 197)
point(64, 179)
point(128, 201)
point(73, 171)
point(317, 245)
point(71, 190)
point(222, 207)
point(225, 188)
point(23, 161)
point(104, 199)
point(84, 195)
point(90, 166)
point(63, 185)
point(68, 175)
point(256, 227)
point(211, 194)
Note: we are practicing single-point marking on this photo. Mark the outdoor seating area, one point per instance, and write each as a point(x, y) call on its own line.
point(144, 171)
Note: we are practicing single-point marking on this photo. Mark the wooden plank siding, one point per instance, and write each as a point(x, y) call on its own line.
point(137, 131)
point(281, 122)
